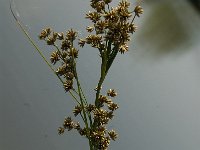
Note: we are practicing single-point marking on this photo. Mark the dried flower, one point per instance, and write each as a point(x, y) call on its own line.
point(61, 70)
point(82, 132)
point(113, 106)
point(77, 126)
point(102, 99)
point(100, 6)
point(68, 85)
point(138, 10)
point(90, 107)
point(112, 93)
point(110, 115)
point(94, 40)
point(112, 15)
point(69, 75)
point(54, 57)
point(132, 28)
point(89, 28)
point(100, 115)
point(45, 33)
point(81, 42)
point(68, 123)
point(113, 135)
point(64, 55)
point(60, 36)
point(123, 48)
point(51, 40)
point(93, 16)
point(73, 52)
point(65, 45)
point(55, 35)
point(71, 35)
point(124, 4)
point(100, 26)
point(77, 110)
point(61, 130)
point(124, 14)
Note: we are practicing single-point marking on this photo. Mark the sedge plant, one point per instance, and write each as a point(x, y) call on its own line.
point(109, 34)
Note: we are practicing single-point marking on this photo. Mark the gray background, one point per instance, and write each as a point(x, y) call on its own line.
point(158, 80)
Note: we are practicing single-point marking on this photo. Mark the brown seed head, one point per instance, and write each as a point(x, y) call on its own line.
point(100, 26)
point(61, 36)
point(68, 85)
point(123, 48)
point(61, 130)
point(71, 35)
point(90, 107)
point(51, 40)
point(138, 10)
point(113, 135)
point(65, 45)
point(99, 6)
point(112, 93)
point(102, 99)
point(113, 106)
point(73, 52)
point(68, 123)
point(132, 28)
point(81, 42)
point(69, 75)
point(44, 33)
point(124, 4)
point(93, 16)
point(77, 126)
point(54, 57)
point(77, 110)
point(89, 28)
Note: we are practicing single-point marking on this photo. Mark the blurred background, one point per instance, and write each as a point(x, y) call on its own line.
point(158, 80)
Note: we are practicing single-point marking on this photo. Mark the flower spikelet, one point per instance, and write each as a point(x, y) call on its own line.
point(68, 123)
point(113, 106)
point(54, 57)
point(112, 93)
point(138, 10)
point(71, 35)
point(113, 135)
point(77, 110)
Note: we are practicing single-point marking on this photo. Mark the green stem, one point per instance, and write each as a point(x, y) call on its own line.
point(133, 19)
point(88, 113)
point(84, 117)
point(79, 92)
point(90, 144)
point(82, 104)
point(103, 75)
point(112, 58)
point(105, 66)
point(74, 97)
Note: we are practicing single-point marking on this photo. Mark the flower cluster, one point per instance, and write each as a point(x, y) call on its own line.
point(65, 54)
point(111, 26)
point(69, 125)
point(98, 134)
point(109, 33)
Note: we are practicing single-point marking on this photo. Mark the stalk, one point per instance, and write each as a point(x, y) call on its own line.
point(102, 77)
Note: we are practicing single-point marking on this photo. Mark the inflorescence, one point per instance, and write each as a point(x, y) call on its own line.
point(109, 33)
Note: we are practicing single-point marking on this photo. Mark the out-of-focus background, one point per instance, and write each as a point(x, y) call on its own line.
point(158, 80)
